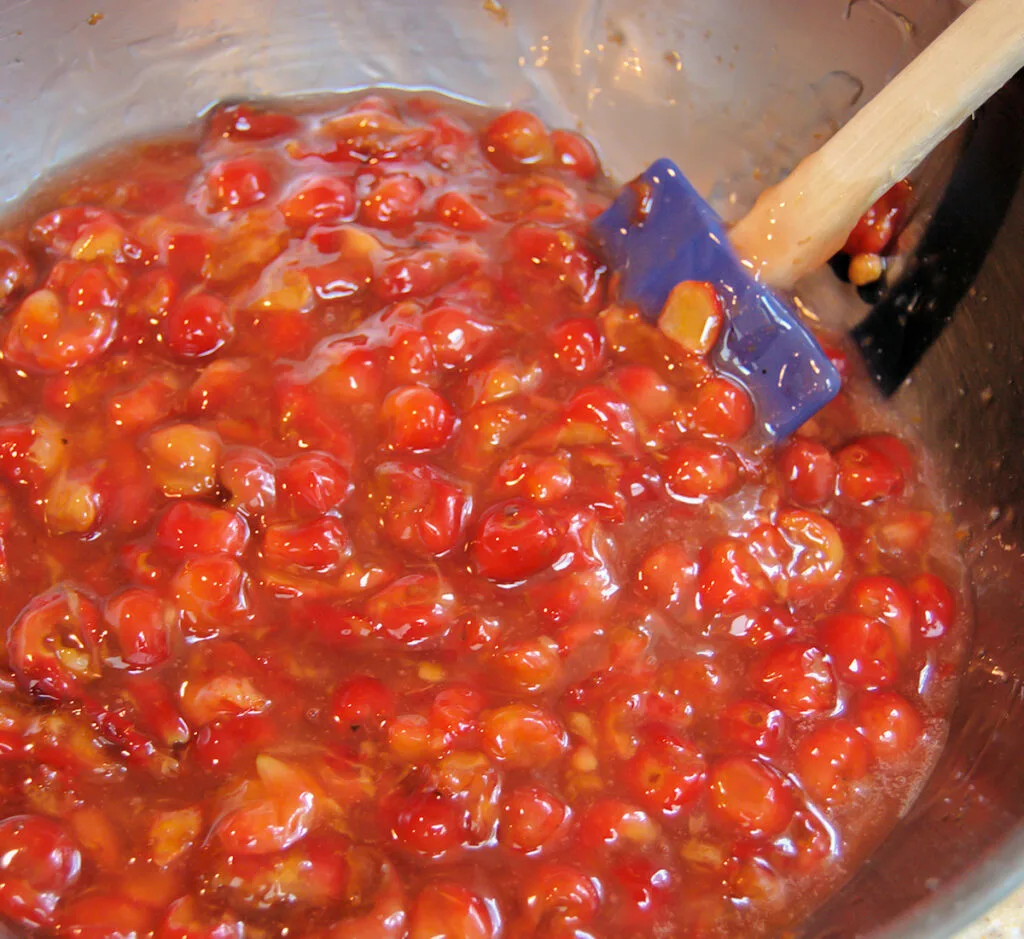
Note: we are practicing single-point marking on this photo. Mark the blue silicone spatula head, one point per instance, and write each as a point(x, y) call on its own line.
point(676, 236)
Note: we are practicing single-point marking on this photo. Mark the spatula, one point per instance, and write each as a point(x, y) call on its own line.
point(659, 232)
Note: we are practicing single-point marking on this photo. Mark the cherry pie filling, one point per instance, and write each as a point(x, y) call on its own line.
point(369, 572)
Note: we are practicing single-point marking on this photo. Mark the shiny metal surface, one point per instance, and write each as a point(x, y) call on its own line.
point(736, 91)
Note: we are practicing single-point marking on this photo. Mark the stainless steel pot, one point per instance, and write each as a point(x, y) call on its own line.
point(736, 91)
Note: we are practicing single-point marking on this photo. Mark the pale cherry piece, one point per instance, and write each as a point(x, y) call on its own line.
point(218, 696)
point(450, 911)
point(530, 666)
point(185, 920)
point(74, 503)
point(523, 735)
point(386, 919)
point(173, 834)
point(39, 862)
point(818, 553)
point(184, 459)
point(276, 810)
point(692, 316)
point(48, 335)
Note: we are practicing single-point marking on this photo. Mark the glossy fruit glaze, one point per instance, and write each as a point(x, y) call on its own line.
point(368, 573)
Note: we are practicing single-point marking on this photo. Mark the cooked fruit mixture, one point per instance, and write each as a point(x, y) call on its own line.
point(369, 573)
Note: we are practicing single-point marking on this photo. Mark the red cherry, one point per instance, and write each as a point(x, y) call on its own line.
point(322, 199)
point(576, 154)
point(40, 863)
point(872, 469)
point(352, 377)
point(106, 916)
point(667, 576)
point(54, 643)
point(211, 592)
point(190, 527)
point(862, 649)
point(513, 540)
point(362, 702)
point(831, 759)
point(413, 610)
point(808, 471)
point(523, 735)
point(559, 890)
point(319, 546)
point(411, 359)
point(393, 202)
point(890, 723)
point(419, 509)
point(47, 335)
point(696, 472)
point(723, 410)
point(139, 618)
point(749, 798)
point(417, 419)
point(248, 475)
point(798, 678)
point(888, 601)
point(198, 326)
point(237, 184)
point(516, 140)
point(458, 211)
point(450, 910)
point(730, 579)
point(531, 819)
point(757, 629)
point(644, 889)
point(578, 346)
point(879, 225)
point(428, 824)
point(246, 122)
point(934, 607)
point(315, 483)
point(666, 774)
point(457, 338)
point(752, 725)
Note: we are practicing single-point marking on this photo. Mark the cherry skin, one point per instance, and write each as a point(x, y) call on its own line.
point(40, 863)
point(513, 540)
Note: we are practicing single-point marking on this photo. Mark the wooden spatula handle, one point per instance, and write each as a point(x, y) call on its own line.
point(799, 224)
